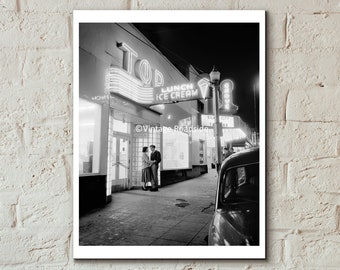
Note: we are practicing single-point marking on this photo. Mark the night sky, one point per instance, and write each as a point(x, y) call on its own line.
point(232, 47)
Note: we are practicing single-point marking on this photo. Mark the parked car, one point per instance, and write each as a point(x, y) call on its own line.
point(236, 217)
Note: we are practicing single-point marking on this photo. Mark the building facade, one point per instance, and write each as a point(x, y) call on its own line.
point(129, 93)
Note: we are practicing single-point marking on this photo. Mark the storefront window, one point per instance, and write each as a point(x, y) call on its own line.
point(175, 150)
point(120, 126)
point(89, 136)
point(141, 139)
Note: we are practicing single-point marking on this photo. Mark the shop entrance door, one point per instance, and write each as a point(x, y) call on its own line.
point(120, 162)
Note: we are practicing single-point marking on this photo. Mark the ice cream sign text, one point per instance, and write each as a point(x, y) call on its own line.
point(182, 92)
point(141, 83)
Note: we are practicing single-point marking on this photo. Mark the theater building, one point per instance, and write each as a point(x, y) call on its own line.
point(128, 93)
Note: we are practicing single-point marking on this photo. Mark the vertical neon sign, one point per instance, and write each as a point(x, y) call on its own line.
point(227, 86)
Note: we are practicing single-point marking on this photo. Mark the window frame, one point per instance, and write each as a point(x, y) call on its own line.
point(224, 202)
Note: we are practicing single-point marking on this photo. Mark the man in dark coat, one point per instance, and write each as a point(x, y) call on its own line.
point(156, 156)
point(227, 152)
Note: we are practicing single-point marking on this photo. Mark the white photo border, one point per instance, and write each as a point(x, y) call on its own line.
point(168, 252)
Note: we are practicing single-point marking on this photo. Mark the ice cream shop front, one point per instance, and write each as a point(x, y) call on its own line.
point(127, 95)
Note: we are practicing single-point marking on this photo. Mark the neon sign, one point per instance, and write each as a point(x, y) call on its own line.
point(159, 79)
point(142, 67)
point(147, 84)
point(143, 71)
point(182, 92)
point(128, 52)
point(209, 120)
point(226, 88)
point(120, 82)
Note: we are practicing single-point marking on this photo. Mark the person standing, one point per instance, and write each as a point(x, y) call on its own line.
point(227, 152)
point(156, 158)
point(146, 169)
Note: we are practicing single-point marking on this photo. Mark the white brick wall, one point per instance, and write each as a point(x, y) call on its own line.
point(180, 4)
point(303, 136)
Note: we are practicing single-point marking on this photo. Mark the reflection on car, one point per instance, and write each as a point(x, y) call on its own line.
point(236, 218)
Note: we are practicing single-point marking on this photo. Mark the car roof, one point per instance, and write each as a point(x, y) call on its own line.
point(246, 156)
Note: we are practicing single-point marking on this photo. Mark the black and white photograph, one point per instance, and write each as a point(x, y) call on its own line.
point(169, 134)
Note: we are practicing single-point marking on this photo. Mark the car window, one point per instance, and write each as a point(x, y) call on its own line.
point(240, 184)
point(230, 182)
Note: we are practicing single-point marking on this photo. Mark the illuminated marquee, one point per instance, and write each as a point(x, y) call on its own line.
point(147, 84)
point(209, 120)
point(120, 82)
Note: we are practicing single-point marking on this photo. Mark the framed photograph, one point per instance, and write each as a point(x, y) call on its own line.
point(169, 134)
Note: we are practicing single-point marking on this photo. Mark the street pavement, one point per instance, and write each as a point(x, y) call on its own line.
point(176, 215)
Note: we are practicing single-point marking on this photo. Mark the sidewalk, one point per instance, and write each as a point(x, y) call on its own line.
point(178, 214)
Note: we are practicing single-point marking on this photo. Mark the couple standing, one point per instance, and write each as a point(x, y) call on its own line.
point(150, 168)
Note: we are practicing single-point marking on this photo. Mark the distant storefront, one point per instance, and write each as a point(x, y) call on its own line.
point(123, 107)
point(235, 134)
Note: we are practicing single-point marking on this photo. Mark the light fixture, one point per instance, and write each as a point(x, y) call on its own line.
point(214, 75)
